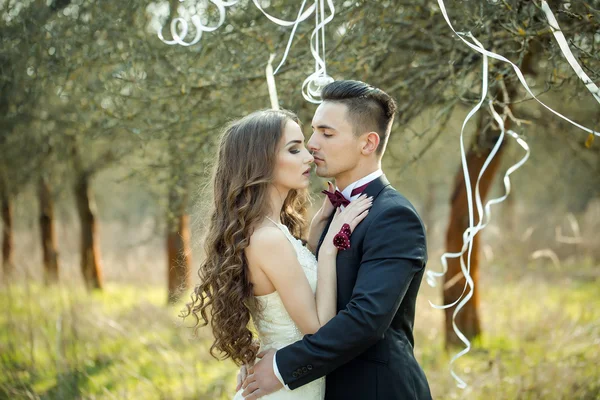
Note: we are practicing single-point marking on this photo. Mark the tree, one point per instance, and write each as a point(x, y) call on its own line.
point(88, 84)
point(402, 45)
point(20, 48)
point(48, 232)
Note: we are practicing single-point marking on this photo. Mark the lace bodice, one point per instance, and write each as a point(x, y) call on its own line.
point(276, 329)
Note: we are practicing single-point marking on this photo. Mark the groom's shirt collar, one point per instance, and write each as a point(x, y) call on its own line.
point(362, 181)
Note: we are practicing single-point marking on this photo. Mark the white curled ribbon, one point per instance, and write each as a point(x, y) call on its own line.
point(564, 47)
point(485, 216)
point(302, 16)
point(314, 83)
point(479, 48)
point(271, 86)
point(482, 50)
point(431, 275)
point(469, 233)
point(483, 212)
point(179, 35)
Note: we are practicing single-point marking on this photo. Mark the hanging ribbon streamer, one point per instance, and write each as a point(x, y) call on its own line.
point(271, 84)
point(467, 243)
point(479, 48)
point(518, 72)
point(180, 28)
point(302, 16)
point(564, 47)
point(485, 216)
point(314, 83)
point(483, 212)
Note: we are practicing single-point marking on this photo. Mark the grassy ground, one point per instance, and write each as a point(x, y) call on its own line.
point(541, 341)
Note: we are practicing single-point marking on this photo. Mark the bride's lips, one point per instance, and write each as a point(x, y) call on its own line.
point(307, 172)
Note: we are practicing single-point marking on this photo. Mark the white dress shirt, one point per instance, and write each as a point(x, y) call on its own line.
point(362, 181)
point(346, 192)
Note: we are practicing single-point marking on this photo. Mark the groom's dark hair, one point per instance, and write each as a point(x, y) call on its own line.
point(370, 109)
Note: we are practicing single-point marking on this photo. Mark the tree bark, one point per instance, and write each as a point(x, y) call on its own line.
point(47, 231)
point(7, 235)
point(178, 246)
point(90, 257)
point(467, 319)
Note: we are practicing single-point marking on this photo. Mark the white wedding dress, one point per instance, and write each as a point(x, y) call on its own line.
point(276, 329)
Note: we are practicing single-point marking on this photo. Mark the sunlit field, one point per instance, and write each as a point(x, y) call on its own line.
point(541, 341)
point(110, 124)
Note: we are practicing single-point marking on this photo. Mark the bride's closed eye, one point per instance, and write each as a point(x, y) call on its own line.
point(296, 150)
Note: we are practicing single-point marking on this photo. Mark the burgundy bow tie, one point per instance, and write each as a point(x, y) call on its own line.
point(337, 198)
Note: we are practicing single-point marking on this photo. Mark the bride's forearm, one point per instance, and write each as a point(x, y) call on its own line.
point(314, 233)
point(326, 295)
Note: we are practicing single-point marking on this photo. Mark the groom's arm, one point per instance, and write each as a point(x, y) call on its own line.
point(394, 250)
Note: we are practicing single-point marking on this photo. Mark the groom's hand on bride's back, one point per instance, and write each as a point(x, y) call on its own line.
point(261, 379)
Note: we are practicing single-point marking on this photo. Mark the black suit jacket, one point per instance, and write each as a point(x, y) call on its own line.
point(366, 350)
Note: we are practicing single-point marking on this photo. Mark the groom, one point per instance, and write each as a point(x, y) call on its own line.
point(366, 350)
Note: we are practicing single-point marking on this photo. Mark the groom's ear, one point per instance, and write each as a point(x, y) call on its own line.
point(369, 143)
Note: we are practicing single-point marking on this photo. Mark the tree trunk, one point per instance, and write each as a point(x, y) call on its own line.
point(467, 319)
point(178, 246)
point(7, 235)
point(48, 236)
point(90, 258)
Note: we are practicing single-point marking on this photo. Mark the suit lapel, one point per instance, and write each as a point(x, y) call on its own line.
point(376, 186)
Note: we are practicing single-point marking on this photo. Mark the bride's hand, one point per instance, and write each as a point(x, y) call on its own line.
point(319, 221)
point(326, 208)
point(352, 215)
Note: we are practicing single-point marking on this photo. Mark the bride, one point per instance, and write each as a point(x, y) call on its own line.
point(256, 269)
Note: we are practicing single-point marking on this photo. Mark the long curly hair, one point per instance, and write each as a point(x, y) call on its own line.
point(241, 178)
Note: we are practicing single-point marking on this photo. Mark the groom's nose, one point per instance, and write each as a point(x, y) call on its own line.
point(312, 144)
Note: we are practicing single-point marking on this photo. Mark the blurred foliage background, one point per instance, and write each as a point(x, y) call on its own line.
point(107, 137)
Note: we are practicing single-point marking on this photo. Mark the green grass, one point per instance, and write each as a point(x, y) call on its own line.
point(123, 343)
point(541, 341)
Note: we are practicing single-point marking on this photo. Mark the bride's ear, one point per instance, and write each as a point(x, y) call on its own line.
point(369, 143)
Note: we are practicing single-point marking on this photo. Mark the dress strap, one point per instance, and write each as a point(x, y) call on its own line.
point(276, 223)
point(272, 221)
point(282, 227)
point(285, 231)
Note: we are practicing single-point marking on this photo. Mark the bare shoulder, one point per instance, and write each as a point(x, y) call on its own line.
point(266, 243)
